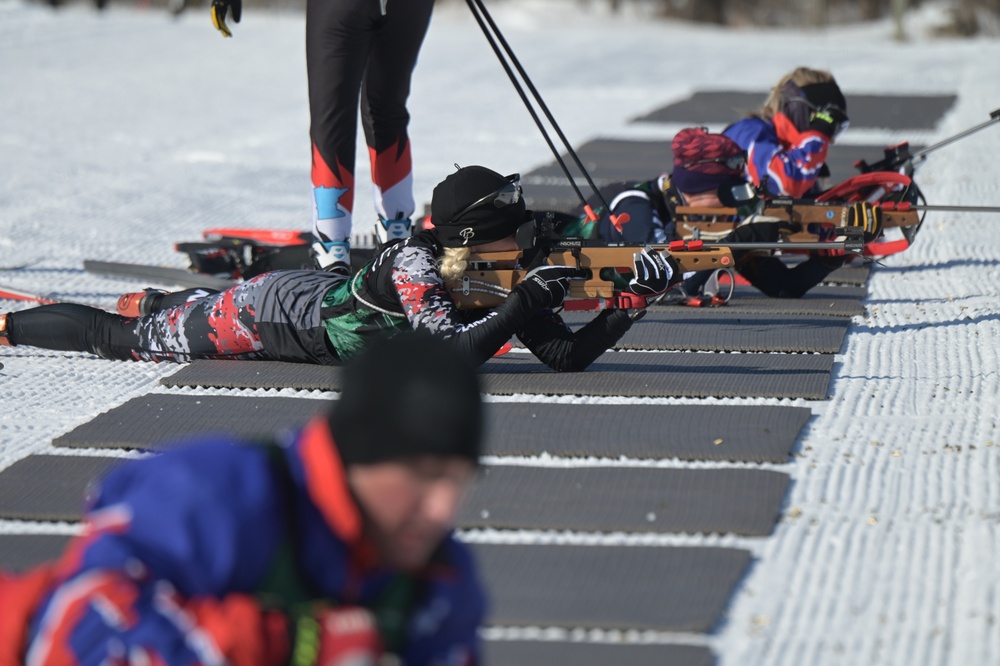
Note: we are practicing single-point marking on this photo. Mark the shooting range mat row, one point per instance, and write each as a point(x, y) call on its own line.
point(724, 433)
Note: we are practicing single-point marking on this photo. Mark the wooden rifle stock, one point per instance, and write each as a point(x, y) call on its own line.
point(491, 275)
point(804, 213)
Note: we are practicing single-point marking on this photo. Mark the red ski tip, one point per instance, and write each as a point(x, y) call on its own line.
point(504, 349)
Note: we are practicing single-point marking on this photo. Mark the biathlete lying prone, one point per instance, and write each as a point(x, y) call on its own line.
point(319, 317)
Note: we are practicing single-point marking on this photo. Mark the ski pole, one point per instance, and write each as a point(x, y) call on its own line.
point(483, 18)
point(921, 155)
point(905, 206)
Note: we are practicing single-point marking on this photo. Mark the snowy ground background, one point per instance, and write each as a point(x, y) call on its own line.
point(124, 132)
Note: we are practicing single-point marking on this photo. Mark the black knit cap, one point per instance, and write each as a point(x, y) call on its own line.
point(828, 92)
point(484, 223)
point(407, 395)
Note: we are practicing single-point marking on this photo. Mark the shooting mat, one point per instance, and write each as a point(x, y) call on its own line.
point(162, 421)
point(637, 374)
point(722, 107)
point(625, 499)
point(23, 551)
point(669, 374)
point(548, 653)
point(721, 329)
point(834, 301)
point(49, 488)
point(734, 433)
point(612, 587)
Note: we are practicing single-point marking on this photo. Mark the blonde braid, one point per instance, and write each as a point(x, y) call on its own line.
point(453, 262)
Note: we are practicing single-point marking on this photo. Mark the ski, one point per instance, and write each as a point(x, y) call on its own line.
point(12, 294)
point(261, 236)
point(158, 274)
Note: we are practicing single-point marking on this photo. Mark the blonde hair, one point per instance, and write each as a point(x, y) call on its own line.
point(800, 76)
point(453, 262)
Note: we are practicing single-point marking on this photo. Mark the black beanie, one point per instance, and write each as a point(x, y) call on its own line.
point(484, 223)
point(821, 94)
point(411, 394)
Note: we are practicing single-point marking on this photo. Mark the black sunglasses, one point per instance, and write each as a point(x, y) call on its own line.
point(508, 194)
point(733, 163)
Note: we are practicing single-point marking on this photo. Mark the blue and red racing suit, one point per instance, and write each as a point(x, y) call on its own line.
point(791, 160)
point(196, 556)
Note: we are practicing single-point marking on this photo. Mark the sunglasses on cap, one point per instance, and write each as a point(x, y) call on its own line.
point(733, 162)
point(508, 194)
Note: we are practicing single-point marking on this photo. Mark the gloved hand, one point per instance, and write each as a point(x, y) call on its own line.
point(868, 217)
point(763, 232)
point(219, 10)
point(829, 121)
point(548, 286)
point(336, 637)
point(652, 272)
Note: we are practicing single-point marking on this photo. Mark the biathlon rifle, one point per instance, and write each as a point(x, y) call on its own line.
point(491, 276)
point(888, 182)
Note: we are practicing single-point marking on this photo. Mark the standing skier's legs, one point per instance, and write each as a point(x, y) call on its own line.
point(385, 117)
point(338, 40)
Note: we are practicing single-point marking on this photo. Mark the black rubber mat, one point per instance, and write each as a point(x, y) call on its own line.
point(829, 300)
point(898, 112)
point(612, 160)
point(158, 421)
point(52, 488)
point(656, 375)
point(757, 433)
point(23, 551)
point(736, 433)
point(849, 275)
point(626, 499)
point(42, 487)
point(639, 374)
point(725, 329)
point(551, 653)
point(612, 587)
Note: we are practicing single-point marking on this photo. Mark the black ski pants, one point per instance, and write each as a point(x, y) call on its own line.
point(361, 50)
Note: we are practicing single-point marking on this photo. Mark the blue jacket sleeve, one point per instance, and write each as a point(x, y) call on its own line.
point(205, 518)
point(192, 523)
point(791, 160)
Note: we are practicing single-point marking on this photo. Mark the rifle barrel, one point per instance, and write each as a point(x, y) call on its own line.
point(792, 245)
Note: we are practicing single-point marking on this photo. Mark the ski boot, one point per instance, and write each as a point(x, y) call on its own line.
point(390, 230)
point(333, 256)
point(4, 332)
point(139, 303)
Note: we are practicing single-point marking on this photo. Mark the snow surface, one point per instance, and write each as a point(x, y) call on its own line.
point(124, 132)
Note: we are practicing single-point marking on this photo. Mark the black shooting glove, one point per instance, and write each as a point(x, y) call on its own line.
point(763, 232)
point(653, 272)
point(547, 286)
point(219, 10)
point(828, 120)
point(868, 217)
